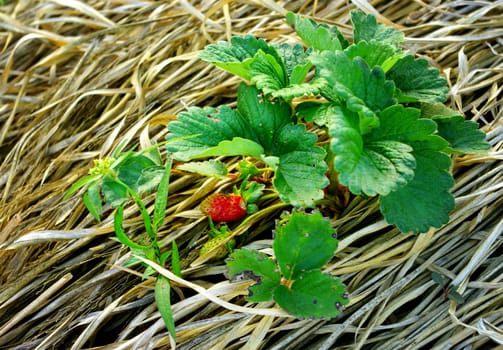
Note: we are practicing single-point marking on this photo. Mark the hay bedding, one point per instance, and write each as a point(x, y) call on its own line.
point(79, 77)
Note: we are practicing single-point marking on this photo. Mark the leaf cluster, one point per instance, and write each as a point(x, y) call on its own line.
point(378, 105)
point(303, 244)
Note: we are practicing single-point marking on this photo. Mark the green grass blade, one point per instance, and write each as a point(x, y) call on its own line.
point(161, 197)
point(121, 235)
point(162, 293)
point(80, 183)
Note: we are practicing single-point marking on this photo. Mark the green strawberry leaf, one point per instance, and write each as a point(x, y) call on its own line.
point(265, 118)
point(366, 28)
point(417, 81)
point(317, 112)
point(426, 200)
point(268, 73)
point(303, 242)
point(455, 296)
point(300, 173)
point(312, 295)
point(210, 167)
point(260, 267)
point(375, 54)
point(260, 128)
point(377, 163)
point(236, 57)
point(296, 90)
point(252, 192)
point(236, 146)
point(318, 36)
point(364, 91)
point(463, 135)
point(198, 129)
point(130, 170)
point(439, 279)
point(296, 61)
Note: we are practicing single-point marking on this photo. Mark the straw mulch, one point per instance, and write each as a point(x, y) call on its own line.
point(78, 77)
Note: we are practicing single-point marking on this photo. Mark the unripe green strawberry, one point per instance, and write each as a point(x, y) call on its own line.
point(224, 207)
point(220, 249)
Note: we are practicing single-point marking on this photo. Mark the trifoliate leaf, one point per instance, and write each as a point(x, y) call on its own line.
point(260, 268)
point(312, 295)
point(318, 36)
point(236, 56)
point(426, 200)
point(375, 54)
point(300, 174)
point(417, 81)
point(261, 128)
point(364, 91)
point(296, 61)
point(267, 73)
point(378, 165)
point(304, 242)
point(210, 167)
point(265, 118)
point(198, 129)
point(463, 135)
point(366, 28)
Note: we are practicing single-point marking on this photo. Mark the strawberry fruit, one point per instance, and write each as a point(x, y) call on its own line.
point(224, 207)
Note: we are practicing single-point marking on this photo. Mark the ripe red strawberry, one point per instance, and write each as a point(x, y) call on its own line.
point(224, 207)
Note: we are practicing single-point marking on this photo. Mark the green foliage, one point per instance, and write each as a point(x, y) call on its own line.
point(381, 144)
point(417, 81)
point(378, 114)
point(320, 37)
point(276, 70)
point(303, 244)
point(353, 84)
point(462, 135)
point(259, 128)
point(365, 27)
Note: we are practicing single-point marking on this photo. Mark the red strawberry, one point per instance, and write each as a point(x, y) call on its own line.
point(224, 207)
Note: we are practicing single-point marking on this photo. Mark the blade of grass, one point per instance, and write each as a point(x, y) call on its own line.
point(161, 197)
point(121, 235)
point(80, 183)
point(162, 293)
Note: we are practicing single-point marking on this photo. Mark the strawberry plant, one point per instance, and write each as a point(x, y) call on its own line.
point(303, 243)
point(381, 108)
point(356, 114)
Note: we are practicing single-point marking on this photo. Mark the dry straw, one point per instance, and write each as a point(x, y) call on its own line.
point(78, 77)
